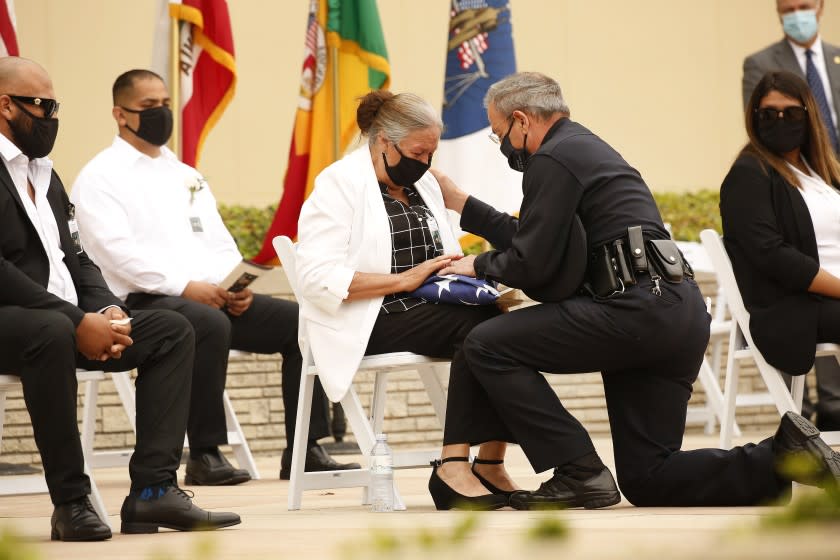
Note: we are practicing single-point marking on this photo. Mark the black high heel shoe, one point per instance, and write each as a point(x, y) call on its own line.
point(446, 498)
point(487, 484)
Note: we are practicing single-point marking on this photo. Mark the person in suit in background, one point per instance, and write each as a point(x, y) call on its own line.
point(803, 52)
point(152, 224)
point(56, 314)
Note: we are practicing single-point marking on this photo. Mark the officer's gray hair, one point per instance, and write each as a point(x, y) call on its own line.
point(531, 92)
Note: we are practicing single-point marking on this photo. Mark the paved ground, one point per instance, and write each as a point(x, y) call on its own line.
point(332, 524)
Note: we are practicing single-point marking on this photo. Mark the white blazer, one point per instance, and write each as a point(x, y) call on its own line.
point(343, 228)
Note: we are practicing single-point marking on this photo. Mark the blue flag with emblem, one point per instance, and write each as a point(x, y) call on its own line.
point(479, 53)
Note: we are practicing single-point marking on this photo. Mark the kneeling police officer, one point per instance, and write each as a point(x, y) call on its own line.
point(617, 298)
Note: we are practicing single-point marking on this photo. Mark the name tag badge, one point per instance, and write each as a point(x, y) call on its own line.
point(195, 222)
point(74, 235)
point(434, 230)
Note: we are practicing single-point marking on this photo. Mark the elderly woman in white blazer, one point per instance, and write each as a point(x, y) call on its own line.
point(373, 230)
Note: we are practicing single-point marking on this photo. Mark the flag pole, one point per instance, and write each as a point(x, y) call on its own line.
point(335, 107)
point(175, 84)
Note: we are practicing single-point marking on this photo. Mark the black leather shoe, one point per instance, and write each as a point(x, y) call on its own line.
point(78, 521)
point(213, 469)
point(172, 508)
point(798, 440)
point(563, 491)
point(317, 459)
point(446, 498)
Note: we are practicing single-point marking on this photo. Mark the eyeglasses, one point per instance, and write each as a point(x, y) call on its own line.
point(495, 137)
point(794, 113)
point(50, 106)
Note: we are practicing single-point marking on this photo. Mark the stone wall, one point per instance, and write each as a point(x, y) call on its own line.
point(254, 387)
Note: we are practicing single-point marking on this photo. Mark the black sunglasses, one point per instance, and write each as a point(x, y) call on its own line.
point(794, 113)
point(50, 106)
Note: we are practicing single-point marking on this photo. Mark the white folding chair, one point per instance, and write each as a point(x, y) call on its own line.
point(36, 484)
point(741, 347)
point(711, 412)
point(125, 390)
point(364, 426)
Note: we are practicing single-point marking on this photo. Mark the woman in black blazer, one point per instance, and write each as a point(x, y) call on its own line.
point(768, 229)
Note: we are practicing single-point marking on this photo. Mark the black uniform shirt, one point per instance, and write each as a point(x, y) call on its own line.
point(574, 171)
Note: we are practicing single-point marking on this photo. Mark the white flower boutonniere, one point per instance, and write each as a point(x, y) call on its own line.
point(195, 184)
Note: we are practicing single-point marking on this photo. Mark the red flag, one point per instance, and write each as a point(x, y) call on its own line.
point(8, 35)
point(207, 68)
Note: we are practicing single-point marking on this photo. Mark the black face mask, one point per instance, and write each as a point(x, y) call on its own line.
point(782, 136)
point(407, 171)
point(517, 158)
point(155, 124)
point(36, 140)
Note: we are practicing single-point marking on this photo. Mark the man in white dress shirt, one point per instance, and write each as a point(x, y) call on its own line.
point(57, 314)
point(803, 52)
point(151, 224)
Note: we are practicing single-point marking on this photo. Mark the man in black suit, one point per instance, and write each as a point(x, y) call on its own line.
point(804, 53)
point(57, 314)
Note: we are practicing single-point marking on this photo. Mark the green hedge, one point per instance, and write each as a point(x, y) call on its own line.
point(688, 214)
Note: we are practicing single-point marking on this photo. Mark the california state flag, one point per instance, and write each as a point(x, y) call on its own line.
point(207, 68)
point(8, 34)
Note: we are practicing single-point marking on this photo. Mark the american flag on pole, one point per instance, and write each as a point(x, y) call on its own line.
point(8, 35)
point(479, 53)
point(207, 68)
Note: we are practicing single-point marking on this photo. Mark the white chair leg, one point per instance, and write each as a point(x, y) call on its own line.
point(379, 397)
point(797, 391)
point(730, 392)
point(434, 388)
point(89, 418)
point(363, 430)
point(125, 390)
point(96, 499)
point(307, 385)
point(237, 441)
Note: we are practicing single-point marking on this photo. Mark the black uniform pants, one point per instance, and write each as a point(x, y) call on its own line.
point(40, 347)
point(269, 325)
point(649, 349)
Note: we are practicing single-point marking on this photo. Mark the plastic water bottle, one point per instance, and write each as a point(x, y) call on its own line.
point(381, 476)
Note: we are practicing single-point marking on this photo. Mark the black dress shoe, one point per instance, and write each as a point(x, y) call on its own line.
point(213, 469)
point(170, 507)
point(570, 488)
point(446, 498)
point(78, 521)
point(798, 440)
point(317, 459)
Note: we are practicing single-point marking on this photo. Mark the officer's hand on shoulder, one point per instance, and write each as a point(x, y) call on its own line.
point(453, 197)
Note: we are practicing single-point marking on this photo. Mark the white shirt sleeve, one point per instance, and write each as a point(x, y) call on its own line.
point(103, 220)
point(324, 229)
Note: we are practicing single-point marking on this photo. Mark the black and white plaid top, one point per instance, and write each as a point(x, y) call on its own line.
point(412, 242)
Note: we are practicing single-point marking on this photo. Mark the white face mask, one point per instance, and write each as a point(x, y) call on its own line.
point(801, 25)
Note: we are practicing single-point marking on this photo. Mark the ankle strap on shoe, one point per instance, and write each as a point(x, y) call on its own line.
point(478, 461)
point(438, 462)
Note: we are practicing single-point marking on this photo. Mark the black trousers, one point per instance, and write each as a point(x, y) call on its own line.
point(437, 331)
point(40, 347)
point(269, 325)
point(649, 349)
